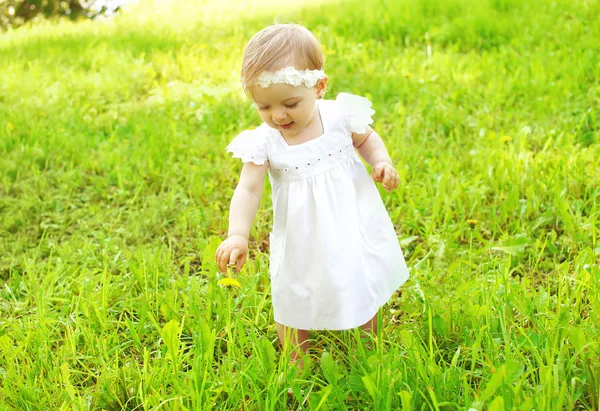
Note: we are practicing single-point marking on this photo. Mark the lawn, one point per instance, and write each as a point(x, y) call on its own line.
point(115, 188)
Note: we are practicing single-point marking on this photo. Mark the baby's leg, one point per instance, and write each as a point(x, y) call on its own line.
point(371, 325)
point(368, 332)
point(297, 338)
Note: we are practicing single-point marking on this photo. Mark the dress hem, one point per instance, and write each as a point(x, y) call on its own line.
point(371, 312)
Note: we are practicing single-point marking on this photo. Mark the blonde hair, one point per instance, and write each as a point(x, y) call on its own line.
point(279, 46)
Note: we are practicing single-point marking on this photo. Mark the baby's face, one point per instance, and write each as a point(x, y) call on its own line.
point(286, 108)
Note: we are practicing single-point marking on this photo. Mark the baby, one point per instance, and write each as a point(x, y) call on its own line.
point(335, 258)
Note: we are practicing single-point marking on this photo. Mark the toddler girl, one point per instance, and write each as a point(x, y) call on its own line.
point(334, 255)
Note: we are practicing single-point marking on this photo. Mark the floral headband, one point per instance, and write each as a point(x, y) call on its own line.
point(289, 75)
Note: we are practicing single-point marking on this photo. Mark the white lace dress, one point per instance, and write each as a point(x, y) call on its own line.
point(335, 257)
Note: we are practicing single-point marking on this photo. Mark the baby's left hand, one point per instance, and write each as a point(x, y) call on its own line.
point(387, 175)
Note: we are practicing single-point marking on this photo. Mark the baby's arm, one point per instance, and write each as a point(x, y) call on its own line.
point(244, 204)
point(370, 146)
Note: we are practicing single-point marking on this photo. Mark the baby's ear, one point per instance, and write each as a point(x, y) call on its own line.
point(322, 87)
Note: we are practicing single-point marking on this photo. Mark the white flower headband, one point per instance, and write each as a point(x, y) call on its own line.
point(289, 75)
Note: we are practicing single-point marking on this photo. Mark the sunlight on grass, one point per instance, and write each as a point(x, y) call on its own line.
point(115, 188)
point(173, 16)
point(183, 14)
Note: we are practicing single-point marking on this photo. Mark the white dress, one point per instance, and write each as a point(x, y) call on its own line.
point(335, 257)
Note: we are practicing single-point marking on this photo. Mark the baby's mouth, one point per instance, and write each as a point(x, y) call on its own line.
point(287, 126)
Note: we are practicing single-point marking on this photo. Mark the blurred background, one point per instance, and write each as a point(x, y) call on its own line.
point(15, 13)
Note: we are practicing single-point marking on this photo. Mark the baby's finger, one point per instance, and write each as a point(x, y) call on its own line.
point(218, 255)
point(378, 171)
point(387, 180)
point(234, 256)
point(240, 263)
point(396, 181)
point(223, 261)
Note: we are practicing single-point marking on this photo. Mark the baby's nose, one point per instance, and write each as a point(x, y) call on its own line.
point(279, 116)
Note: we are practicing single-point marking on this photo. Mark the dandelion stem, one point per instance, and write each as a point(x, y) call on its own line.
point(471, 249)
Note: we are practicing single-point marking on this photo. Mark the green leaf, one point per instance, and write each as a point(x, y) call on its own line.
point(408, 339)
point(505, 374)
point(324, 394)
point(529, 340)
point(373, 362)
point(206, 338)
point(497, 404)
point(439, 325)
point(66, 377)
point(514, 370)
point(170, 335)
point(330, 368)
point(527, 405)
point(370, 386)
point(578, 338)
point(514, 246)
point(268, 353)
point(421, 264)
point(405, 398)
point(511, 249)
point(209, 264)
point(407, 240)
point(494, 383)
point(6, 347)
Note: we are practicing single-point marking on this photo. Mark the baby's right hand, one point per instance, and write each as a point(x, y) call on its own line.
point(232, 251)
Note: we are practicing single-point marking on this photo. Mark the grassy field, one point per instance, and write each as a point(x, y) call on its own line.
point(115, 189)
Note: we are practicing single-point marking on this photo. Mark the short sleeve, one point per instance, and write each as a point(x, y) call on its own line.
point(357, 111)
point(250, 146)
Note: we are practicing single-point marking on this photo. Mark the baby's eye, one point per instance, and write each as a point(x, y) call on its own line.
point(262, 108)
point(291, 105)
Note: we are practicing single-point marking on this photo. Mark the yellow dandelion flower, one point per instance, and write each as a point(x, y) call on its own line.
point(407, 74)
point(472, 223)
point(10, 127)
point(506, 139)
point(229, 282)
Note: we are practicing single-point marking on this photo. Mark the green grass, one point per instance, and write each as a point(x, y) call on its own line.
point(115, 188)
